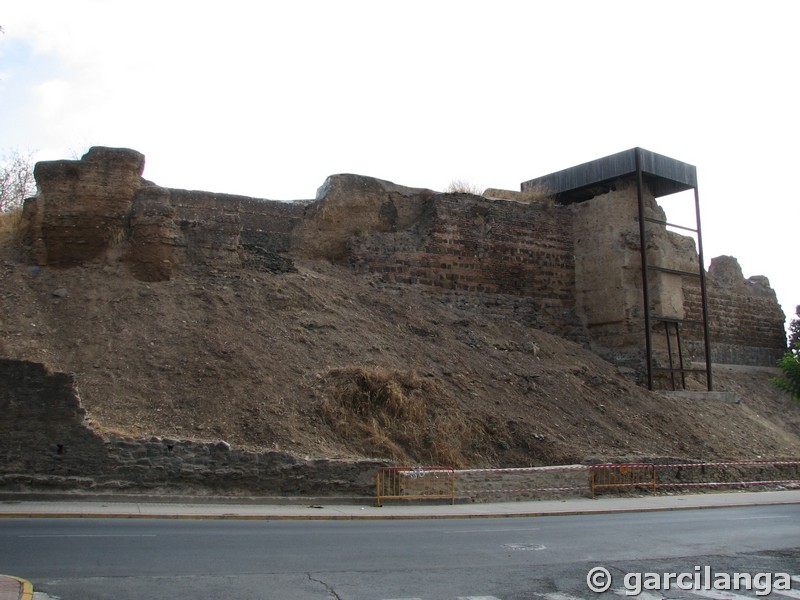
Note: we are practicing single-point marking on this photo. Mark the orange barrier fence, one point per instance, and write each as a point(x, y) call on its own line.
point(695, 475)
point(415, 483)
point(535, 482)
point(630, 475)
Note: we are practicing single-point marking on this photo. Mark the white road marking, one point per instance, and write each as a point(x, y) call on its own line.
point(719, 595)
point(757, 518)
point(557, 596)
point(640, 595)
point(88, 535)
point(499, 530)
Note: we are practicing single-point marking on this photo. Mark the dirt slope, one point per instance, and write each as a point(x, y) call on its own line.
point(322, 362)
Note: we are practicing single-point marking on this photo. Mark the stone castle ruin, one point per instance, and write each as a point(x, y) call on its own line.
point(569, 261)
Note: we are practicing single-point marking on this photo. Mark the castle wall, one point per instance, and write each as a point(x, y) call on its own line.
point(570, 270)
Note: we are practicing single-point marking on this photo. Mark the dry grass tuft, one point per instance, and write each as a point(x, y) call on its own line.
point(537, 193)
point(394, 413)
point(11, 226)
point(459, 186)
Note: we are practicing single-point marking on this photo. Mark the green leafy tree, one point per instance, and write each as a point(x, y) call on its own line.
point(789, 363)
point(794, 332)
point(16, 180)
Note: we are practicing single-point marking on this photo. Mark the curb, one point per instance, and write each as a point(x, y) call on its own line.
point(26, 587)
point(375, 517)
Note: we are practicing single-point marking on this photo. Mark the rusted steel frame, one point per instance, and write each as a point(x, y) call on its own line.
point(645, 287)
point(669, 353)
point(703, 295)
point(680, 354)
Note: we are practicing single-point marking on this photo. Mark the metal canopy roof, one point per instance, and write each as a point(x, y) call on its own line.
point(662, 174)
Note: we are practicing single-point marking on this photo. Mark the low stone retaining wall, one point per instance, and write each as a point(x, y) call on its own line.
point(524, 484)
point(46, 444)
point(591, 480)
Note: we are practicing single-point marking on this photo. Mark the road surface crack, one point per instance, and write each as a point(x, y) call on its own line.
point(328, 588)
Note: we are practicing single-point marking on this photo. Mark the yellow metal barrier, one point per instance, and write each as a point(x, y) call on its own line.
point(624, 475)
point(415, 483)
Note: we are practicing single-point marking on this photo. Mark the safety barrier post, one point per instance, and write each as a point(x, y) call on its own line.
point(655, 479)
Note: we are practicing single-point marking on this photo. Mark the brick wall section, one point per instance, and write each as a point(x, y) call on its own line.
point(45, 443)
point(219, 229)
point(169, 228)
point(469, 244)
point(745, 319)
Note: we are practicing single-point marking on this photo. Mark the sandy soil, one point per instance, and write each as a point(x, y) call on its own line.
point(323, 362)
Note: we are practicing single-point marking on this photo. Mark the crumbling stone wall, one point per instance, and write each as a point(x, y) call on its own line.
point(608, 277)
point(349, 206)
point(43, 422)
point(83, 206)
point(745, 319)
point(45, 442)
point(571, 270)
point(171, 228)
point(99, 208)
point(476, 246)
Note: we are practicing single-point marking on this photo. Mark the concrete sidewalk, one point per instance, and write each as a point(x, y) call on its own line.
point(151, 507)
point(12, 588)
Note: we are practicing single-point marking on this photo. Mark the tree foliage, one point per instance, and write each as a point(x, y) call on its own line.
point(794, 332)
point(16, 180)
point(789, 363)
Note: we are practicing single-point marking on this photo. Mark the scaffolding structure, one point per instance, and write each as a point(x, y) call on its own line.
point(663, 176)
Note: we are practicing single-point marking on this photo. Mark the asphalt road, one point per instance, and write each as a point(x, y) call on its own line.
point(545, 558)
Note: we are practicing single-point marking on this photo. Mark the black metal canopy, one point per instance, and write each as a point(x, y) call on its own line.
point(663, 176)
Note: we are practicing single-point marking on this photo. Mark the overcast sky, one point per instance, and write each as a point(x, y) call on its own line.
point(268, 98)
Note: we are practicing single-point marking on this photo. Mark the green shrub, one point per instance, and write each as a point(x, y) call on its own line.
point(789, 363)
point(790, 380)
